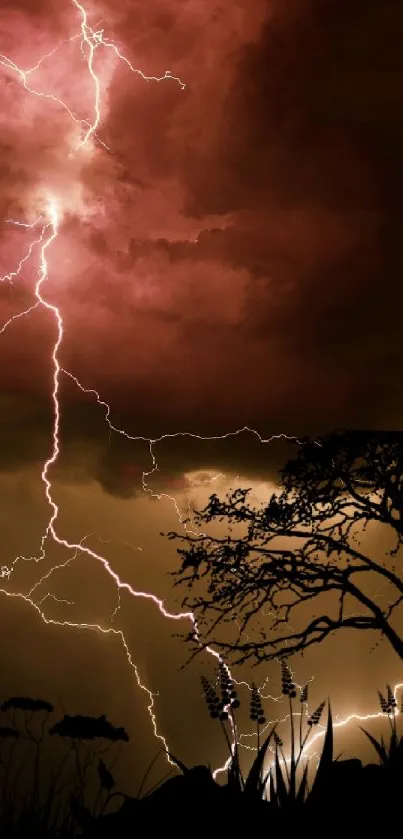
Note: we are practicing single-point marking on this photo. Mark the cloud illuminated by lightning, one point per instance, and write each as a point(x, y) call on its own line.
point(52, 208)
point(47, 213)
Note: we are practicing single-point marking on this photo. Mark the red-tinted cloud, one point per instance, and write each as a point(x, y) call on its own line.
point(231, 258)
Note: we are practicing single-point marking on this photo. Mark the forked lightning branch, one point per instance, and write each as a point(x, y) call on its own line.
point(50, 209)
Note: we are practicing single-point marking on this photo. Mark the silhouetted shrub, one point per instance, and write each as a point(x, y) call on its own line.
point(88, 728)
point(26, 808)
point(26, 703)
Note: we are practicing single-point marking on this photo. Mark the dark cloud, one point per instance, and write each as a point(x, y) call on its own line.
point(91, 452)
point(234, 257)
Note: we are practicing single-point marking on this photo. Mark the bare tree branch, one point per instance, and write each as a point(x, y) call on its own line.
point(327, 496)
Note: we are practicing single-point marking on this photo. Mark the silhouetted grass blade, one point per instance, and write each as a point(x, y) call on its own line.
point(303, 786)
point(272, 790)
point(326, 759)
point(235, 780)
point(254, 783)
point(380, 748)
point(281, 789)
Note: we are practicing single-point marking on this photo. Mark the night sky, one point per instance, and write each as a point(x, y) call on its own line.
point(227, 255)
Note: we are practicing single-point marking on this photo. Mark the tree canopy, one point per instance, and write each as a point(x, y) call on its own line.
point(304, 543)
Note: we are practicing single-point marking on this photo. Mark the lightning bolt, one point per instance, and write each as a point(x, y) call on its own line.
point(90, 41)
point(354, 716)
point(49, 221)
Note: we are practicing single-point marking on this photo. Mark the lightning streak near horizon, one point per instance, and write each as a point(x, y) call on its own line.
point(50, 219)
point(320, 734)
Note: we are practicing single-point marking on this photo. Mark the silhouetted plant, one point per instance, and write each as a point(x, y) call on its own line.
point(106, 778)
point(256, 780)
point(256, 712)
point(88, 728)
point(22, 808)
point(391, 756)
point(26, 703)
point(284, 790)
point(222, 708)
point(283, 787)
point(288, 789)
point(22, 711)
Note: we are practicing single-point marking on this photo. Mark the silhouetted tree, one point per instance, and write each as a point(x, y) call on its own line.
point(304, 543)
